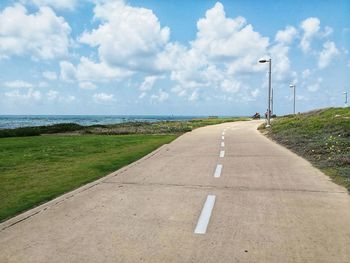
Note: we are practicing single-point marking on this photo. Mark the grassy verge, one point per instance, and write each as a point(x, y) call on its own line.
point(164, 127)
point(321, 136)
point(35, 169)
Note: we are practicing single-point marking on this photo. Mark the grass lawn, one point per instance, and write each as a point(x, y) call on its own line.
point(321, 136)
point(36, 169)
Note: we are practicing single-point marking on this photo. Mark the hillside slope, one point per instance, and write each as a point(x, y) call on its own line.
point(320, 136)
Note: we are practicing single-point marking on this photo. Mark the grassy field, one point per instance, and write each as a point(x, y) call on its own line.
point(35, 169)
point(321, 136)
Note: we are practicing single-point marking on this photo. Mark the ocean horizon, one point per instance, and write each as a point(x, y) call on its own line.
point(18, 121)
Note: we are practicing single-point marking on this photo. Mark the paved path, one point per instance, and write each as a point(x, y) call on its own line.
point(194, 200)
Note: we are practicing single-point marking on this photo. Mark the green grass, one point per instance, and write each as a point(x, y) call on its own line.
point(321, 136)
point(163, 127)
point(36, 169)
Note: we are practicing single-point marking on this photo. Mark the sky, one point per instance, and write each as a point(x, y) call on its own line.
point(172, 57)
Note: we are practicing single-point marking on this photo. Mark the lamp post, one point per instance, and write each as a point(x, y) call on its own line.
point(269, 99)
point(293, 87)
point(346, 98)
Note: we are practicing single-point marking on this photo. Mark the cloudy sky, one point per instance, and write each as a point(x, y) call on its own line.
point(171, 57)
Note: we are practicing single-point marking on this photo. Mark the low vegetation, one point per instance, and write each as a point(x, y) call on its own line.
point(35, 169)
point(320, 136)
point(163, 127)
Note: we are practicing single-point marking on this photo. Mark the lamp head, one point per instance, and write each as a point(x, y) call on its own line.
point(263, 61)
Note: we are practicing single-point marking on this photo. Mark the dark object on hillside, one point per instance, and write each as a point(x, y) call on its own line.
point(256, 116)
point(36, 131)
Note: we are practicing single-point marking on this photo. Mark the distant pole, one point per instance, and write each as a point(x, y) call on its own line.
point(293, 86)
point(269, 98)
point(271, 101)
point(269, 109)
point(346, 98)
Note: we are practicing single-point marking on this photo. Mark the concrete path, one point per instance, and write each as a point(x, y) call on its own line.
point(195, 200)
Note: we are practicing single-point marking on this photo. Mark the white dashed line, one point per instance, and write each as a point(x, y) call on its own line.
point(222, 154)
point(223, 137)
point(222, 144)
point(204, 218)
point(218, 171)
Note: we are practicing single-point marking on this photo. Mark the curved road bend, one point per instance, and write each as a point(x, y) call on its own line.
point(222, 193)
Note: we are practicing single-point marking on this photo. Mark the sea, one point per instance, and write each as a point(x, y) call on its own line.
point(17, 121)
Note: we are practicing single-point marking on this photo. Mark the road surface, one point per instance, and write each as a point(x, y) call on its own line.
point(222, 193)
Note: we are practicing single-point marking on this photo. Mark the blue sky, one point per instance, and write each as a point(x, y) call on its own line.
point(171, 57)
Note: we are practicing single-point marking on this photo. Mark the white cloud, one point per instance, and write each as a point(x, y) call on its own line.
point(18, 84)
point(55, 96)
point(161, 96)
point(88, 70)
point(194, 96)
point(311, 27)
point(315, 86)
point(44, 36)
point(327, 54)
point(29, 95)
point(255, 93)
point(281, 63)
point(287, 35)
point(87, 85)
point(52, 95)
point(128, 37)
point(148, 83)
point(229, 41)
point(57, 4)
point(103, 98)
point(68, 71)
point(142, 95)
point(223, 51)
point(50, 75)
point(230, 86)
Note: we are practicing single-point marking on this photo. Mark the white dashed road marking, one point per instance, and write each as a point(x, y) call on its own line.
point(204, 218)
point(218, 171)
point(222, 154)
point(222, 144)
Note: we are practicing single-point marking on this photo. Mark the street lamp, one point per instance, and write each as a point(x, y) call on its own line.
point(269, 99)
point(293, 87)
point(346, 98)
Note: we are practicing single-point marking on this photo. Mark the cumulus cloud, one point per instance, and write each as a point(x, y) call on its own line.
point(55, 96)
point(311, 30)
point(287, 35)
point(29, 95)
point(88, 70)
point(87, 85)
point(50, 75)
point(223, 49)
point(230, 86)
point(161, 96)
point(57, 4)
point(311, 27)
point(315, 86)
point(327, 54)
point(44, 36)
point(103, 98)
point(148, 83)
point(18, 84)
point(127, 36)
